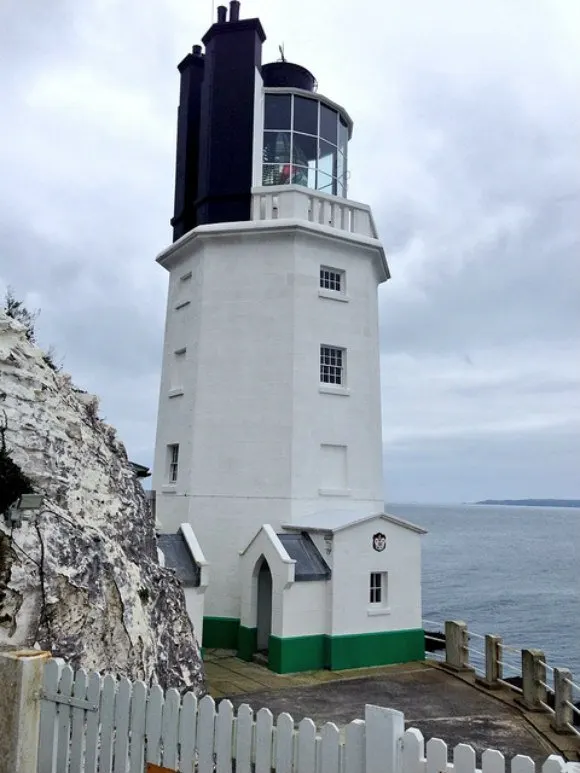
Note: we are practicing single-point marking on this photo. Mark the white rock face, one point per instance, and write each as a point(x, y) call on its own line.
point(82, 579)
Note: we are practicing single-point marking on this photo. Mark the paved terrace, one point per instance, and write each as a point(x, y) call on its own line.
point(440, 703)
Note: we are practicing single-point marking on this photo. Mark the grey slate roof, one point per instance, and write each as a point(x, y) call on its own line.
point(310, 565)
point(179, 558)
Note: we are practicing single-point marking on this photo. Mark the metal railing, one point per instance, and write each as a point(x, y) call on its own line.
point(538, 685)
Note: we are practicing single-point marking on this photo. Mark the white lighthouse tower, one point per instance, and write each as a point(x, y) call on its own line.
point(269, 451)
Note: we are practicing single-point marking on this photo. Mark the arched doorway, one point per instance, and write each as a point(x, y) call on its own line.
point(264, 611)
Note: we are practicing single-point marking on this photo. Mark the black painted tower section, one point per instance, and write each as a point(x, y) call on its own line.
point(216, 125)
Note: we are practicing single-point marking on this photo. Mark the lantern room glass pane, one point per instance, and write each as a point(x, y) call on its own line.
point(342, 134)
point(327, 162)
point(302, 175)
point(304, 150)
point(273, 174)
point(276, 147)
point(340, 167)
point(328, 124)
point(306, 115)
point(277, 111)
point(325, 183)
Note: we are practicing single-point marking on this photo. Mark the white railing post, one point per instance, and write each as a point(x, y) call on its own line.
point(563, 716)
point(21, 675)
point(534, 679)
point(456, 645)
point(384, 730)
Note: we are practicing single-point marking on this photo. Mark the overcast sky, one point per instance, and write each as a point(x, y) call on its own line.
point(466, 145)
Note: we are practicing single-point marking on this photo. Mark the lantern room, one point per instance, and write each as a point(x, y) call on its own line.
point(305, 140)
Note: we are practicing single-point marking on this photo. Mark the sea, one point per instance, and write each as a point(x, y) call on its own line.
point(507, 570)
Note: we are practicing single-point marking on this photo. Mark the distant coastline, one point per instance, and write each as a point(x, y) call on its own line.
point(532, 502)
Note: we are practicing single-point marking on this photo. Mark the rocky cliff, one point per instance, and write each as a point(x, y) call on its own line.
point(81, 577)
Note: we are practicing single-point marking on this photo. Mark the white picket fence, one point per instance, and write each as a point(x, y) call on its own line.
point(94, 724)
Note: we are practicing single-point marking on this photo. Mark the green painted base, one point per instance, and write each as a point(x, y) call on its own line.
point(298, 653)
point(247, 642)
point(220, 632)
point(311, 653)
point(375, 649)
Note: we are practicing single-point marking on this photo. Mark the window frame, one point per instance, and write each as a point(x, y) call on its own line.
point(326, 351)
point(172, 463)
point(376, 589)
point(340, 275)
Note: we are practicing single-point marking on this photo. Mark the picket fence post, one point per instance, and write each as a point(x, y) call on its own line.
point(21, 674)
point(384, 730)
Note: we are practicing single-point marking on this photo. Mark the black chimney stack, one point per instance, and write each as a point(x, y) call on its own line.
point(215, 128)
point(234, 10)
point(187, 157)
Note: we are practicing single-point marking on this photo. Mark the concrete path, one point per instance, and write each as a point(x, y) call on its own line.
point(437, 702)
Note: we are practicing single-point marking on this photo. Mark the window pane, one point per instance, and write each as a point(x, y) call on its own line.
point(276, 147)
point(328, 160)
point(342, 134)
point(325, 183)
point(304, 150)
point(302, 175)
point(276, 174)
point(328, 124)
point(305, 115)
point(340, 166)
point(277, 111)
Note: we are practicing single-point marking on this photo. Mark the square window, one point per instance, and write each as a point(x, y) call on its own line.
point(173, 459)
point(378, 588)
point(332, 279)
point(332, 360)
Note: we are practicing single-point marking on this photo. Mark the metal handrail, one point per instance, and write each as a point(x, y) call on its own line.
point(574, 708)
point(547, 708)
point(517, 669)
point(572, 684)
point(546, 666)
point(509, 648)
point(468, 648)
point(511, 686)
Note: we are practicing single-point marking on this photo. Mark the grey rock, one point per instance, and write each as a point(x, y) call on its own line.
point(81, 578)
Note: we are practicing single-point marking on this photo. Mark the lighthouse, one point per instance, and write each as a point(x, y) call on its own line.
point(268, 461)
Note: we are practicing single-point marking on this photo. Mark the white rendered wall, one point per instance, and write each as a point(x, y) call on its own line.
point(194, 603)
point(305, 608)
point(252, 418)
point(353, 561)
